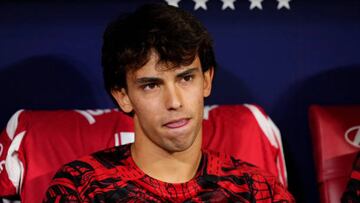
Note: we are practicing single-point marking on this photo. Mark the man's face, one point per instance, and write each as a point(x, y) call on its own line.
point(168, 103)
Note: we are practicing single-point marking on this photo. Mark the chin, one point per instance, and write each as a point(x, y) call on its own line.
point(179, 146)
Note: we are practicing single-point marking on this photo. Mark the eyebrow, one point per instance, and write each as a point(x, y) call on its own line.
point(148, 80)
point(187, 72)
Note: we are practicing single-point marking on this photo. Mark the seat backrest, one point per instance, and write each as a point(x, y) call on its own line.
point(336, 140)
point(36, 143)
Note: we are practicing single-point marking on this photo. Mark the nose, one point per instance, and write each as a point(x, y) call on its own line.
point(173, 100)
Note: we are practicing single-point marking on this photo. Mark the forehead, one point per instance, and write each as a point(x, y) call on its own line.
point(154, 68)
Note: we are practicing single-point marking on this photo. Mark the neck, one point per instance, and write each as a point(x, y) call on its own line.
point(170, 167)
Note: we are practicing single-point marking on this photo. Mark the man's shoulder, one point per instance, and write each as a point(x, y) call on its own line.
point(79, 177)
point(231, 168)
point(238, 175)
point(107, 158)
point(101, 162)
point(228, 164)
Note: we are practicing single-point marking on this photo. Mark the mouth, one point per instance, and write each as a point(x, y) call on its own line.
point(178, 123)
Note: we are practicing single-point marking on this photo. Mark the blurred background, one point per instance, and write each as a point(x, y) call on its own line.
point(282, 57)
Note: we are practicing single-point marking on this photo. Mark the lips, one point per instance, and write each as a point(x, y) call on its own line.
point(177, 123)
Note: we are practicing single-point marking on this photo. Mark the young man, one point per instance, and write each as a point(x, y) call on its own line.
point(158, 66)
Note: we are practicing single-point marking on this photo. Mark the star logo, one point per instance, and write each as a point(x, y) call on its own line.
point(200, 4)
point(228, 4)
point(255, 4)
point(283, 4)
point(173, 2)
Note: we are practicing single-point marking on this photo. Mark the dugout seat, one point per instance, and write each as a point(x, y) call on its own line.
point(36, 143)
point(336, 141)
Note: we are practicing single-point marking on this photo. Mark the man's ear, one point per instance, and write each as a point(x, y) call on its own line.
point(123, 100)
point(208, 78)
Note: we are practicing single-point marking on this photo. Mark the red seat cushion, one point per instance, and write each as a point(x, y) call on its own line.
point(336, 140)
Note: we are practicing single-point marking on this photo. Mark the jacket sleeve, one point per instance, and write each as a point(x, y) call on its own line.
point(62, 188)
point(281, 194)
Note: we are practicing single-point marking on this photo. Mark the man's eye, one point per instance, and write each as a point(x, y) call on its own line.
point(150, 86)
point(188, 78)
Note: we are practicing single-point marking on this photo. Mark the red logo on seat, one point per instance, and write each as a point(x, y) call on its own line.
point(352, 136)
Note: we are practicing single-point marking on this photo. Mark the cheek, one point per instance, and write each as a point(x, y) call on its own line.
point(195, 92)
point(194, 99)
point(146, 109)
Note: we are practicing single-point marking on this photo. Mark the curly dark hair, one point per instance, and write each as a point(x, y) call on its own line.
point(174, 35)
